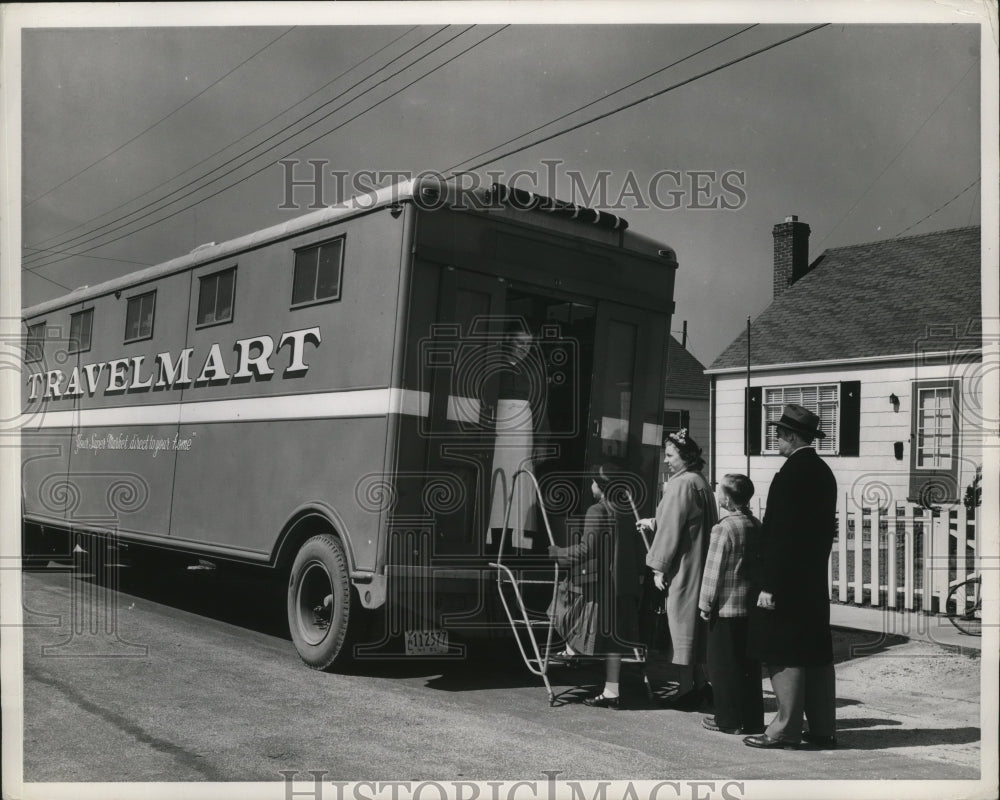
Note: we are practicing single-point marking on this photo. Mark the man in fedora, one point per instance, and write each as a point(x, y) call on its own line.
point(789, 627)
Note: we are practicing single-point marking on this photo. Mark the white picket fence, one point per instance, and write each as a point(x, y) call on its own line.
point(904, 557)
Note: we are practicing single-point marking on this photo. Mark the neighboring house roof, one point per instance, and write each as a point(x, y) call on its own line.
point(868, 300)
point(685, 373)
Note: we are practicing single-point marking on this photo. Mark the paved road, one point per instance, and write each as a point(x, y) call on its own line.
point(199, 682)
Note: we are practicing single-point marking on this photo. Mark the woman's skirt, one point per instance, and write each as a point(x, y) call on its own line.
point(591, 628)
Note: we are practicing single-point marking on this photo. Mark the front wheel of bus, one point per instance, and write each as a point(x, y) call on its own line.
point(319, 601)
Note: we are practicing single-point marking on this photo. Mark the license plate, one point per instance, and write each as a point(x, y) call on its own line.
point(426, 643)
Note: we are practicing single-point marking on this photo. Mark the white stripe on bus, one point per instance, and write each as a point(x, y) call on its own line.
point(652, 434)
point(321, 405)
point(463, 409)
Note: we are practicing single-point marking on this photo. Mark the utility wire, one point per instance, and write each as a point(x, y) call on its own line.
point(297, 148)
point(54, 283)
point(599, 99)
point(45, 242)
point(939, 208)
point(972, 208)
point(248, 161)
point(93, 234)
point(646, 97)
point(162, 119)
point(99, 258)
point(895, 158)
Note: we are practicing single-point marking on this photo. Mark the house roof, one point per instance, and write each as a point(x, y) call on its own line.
point(868, 300)
point(685, 373)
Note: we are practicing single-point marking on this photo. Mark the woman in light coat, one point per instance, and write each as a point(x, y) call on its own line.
point(682, 527)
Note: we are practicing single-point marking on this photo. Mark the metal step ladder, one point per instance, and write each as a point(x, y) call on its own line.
point(525, 626)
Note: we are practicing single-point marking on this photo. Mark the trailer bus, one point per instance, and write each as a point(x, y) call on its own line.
point(324, 399)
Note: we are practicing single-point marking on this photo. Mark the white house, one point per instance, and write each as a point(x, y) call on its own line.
point(884, 342)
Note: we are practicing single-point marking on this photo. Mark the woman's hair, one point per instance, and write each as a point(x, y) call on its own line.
point(738, 488)
point(603, 475)
point(687, 448)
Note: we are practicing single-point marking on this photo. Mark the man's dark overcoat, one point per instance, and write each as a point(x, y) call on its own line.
point(796, 537)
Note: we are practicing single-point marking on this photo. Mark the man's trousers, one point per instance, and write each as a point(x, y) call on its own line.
point(803, 691)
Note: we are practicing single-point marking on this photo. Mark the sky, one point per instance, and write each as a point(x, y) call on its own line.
point(865, 131)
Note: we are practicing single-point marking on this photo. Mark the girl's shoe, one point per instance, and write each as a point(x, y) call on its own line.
point(603, 702)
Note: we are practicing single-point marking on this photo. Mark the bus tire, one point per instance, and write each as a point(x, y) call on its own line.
point(320, 602)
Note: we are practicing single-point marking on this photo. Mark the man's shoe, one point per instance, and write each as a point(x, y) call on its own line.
point(603, 702)
point(822, 742)
point(765, 742)
point(709, 723)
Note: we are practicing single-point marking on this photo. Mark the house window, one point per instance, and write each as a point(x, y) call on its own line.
point(821, 399)
point(935, 432)
point(80, 326)
point(317, 273)
point(674, 420)
point(139, 317)
point(935, 428)
point(33, 348)
point(215, 297)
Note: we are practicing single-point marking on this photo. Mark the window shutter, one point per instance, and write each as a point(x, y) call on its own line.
point(686, 420)
point(752, 420)
point(850, 418)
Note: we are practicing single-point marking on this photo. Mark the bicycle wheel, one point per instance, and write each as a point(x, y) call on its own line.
point(965, 607)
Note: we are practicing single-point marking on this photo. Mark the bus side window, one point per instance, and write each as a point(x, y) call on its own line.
point(317, 273)
point(139, 317)
point(215, 297)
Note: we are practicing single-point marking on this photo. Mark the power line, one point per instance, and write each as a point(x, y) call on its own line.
point(44, 278)
point(972, 208)
point(255, 172)
point(226, 147)
point(162, 119)
point(895, 157)
point(603, 97)
point(92, 235)
point(99, 258)
point(299, 147)
point(646, 98)
point(939, 208)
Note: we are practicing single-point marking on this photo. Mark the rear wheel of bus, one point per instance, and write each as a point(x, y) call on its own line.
point(320, 602)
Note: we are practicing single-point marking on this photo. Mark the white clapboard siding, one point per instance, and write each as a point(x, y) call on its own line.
point(874, 477)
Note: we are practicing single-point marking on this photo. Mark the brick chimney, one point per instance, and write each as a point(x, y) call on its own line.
point(791, 253)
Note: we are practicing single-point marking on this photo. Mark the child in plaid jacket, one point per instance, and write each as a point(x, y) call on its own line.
point(724, 602)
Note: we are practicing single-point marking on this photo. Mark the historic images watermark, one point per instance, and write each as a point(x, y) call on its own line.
point(318, 788)
point(77, 496)
point(313, 184)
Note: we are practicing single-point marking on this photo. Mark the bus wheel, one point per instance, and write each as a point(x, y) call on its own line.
point(319, 601)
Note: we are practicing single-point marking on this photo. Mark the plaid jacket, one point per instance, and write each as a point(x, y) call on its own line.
point(725, 583)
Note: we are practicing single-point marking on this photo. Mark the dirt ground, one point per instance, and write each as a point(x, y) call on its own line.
point(914, 698)
point(919, 697)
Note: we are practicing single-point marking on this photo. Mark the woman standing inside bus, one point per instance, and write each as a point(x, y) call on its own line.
point(682, 526)
point(596, 606)
point(519, 419)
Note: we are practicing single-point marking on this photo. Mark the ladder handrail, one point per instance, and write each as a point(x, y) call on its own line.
point(510, 504)
point(538, 664)
point(635, 512)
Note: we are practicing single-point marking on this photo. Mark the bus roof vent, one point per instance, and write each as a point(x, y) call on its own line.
point(529, 201)
point(203, 247)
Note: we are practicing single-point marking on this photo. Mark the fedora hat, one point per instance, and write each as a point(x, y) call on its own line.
point(799, 420)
